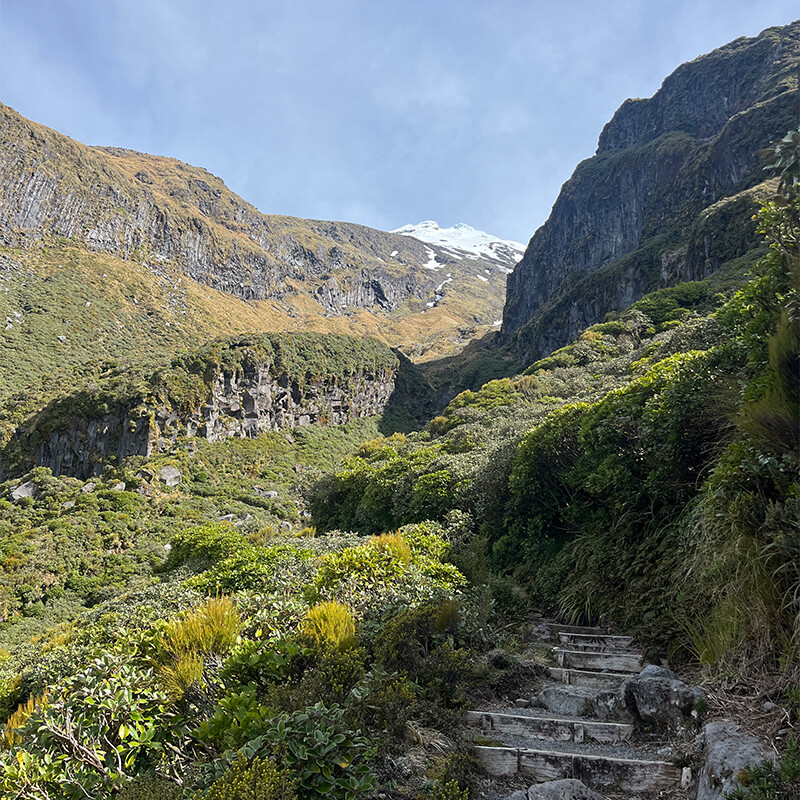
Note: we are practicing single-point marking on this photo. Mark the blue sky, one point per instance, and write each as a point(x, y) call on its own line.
point(379, 112)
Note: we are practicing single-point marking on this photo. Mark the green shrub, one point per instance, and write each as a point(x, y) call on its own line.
point(417, 643)
point(432, 495)
point(316, 746)
point(330, 680)
point(141, 788)
point(122, 719)
point(258, 779)
point(264, 662)
point(453, 774)
point(490, 395)
point(383, 703)
point(330, 625)
point(238, 717)
point(672, 303)
point(204, 545)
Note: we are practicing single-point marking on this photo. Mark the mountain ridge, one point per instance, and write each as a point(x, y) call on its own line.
point(152, 210)
point(638, 209)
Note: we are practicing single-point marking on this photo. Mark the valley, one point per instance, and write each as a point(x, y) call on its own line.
point(294, 509)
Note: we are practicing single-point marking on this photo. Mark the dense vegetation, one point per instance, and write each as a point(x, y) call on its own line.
point(646, 474)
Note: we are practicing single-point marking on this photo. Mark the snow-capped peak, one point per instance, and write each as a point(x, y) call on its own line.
point(464, 237)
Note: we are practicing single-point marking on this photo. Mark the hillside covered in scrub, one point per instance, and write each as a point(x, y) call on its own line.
point(183, 639)
point(242, 564)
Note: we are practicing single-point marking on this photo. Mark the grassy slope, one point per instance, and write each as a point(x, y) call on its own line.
point(138, 314)
point(190, 200)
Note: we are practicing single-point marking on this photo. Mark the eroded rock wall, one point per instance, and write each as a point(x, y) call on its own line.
point(660, 164)
point(240, 405)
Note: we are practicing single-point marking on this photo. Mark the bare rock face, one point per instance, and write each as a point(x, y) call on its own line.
point(150, 209)
point(567, 789)
point(728, 750)
point(239, 406)
point(27, 489)
point(635, 217)
point(658, 698)
point(170, 476)
point(242, 389)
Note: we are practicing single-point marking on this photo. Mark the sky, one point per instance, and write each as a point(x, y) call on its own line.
point(371, 111)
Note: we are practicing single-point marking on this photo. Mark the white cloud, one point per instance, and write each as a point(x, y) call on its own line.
point(427, 85)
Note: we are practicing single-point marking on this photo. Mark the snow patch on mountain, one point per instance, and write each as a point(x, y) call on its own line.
point(464, 239)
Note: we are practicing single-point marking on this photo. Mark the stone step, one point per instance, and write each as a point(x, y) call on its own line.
point(548, 728)
point(596, 771)
point(597, 680)
point(585, 660)
point(597, 644)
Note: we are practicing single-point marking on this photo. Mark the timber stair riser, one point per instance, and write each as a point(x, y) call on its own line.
point(595, 680)
point(613, 662)
point(597, 644)
point(557, 630)
point(597, 772)
point(548, 729)
point(533, 744)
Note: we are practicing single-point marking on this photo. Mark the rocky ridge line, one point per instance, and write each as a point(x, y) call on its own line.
point(665, 199)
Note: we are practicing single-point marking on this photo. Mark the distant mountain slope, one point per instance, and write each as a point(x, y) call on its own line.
point(168, 216)
point(668, 196)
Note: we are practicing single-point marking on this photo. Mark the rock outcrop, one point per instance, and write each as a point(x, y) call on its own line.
point(666, 198)
point(151, 209)
point(659, 699)
point(242, 391)
point(728, 751)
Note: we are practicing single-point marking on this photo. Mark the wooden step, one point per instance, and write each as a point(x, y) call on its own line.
point(600, 772)
point(497, 761)
point(557, 628)
point(548, 728)
point(596, 771)
point(597, 680)
point(583, 660)
point(597, 644)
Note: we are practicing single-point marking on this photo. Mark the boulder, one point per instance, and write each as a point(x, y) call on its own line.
point(170, 476)
point(88, 488)
point(567, 789)
point(610, 705)
point(657, 697)
point(27, 489)
point(542, 632)
point(568, 701)
point(728, 750)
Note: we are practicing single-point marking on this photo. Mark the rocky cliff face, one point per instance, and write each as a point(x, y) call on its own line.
point(146, 208)
point(243, 396)
point(633, 218)
point(240, 406)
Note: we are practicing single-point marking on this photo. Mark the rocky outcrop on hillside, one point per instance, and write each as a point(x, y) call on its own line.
point(636, 216)
point(242, 396)
point(245, 407)
point(147, 208)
